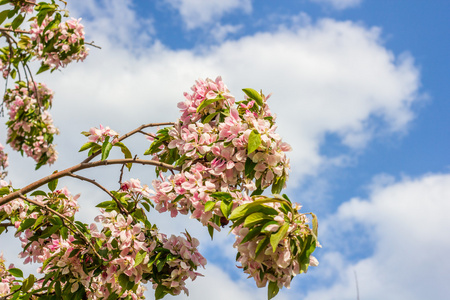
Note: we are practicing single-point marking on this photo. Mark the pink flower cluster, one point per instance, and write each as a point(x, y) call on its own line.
point(281, 265)
point(66, 41)
point(6, 279)
point(96, 135)
point(3, 161)
point(133, 252)
point(5, 67)
point(212, 144)
point(30, 125)
point(25, 7)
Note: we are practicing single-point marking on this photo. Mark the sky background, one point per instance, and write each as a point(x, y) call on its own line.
point(361, 90)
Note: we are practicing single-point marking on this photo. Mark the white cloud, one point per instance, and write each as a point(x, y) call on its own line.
point(339, 4)
point(406, 224)
point(196, 13)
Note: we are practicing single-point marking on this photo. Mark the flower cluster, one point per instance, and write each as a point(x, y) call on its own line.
point(118, 259)
point(60, 44)
point(6, 279)
point(281, 243)
point(3, 161)
point(96, 135)
point(25, 6)
point(227, 150)
point(30, 125)
point(222, 146)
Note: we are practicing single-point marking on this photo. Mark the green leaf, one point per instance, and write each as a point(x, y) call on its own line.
point(49, 231)
point(38, 193)
point(28, 283)
point(17, 21)
point(27, 223)
point(254, 140)
point(315, 224)
point(52, 185)
point(3, 16)
point(209, 117)
point(261, 246)
point(222, 196)
point(277, 237)
point(43, 68)
point(255, 218)
point(16, 272)
point(277, 187)
point(207, 102)
point(249, 167)
point(106, 148)
point(4, 191)
point(251, 234)
point(254, 95)
point(126, 152)
point(209, 205)
point(273, 290)
point(160, 292)
point(87, 146)
point(140, 256)
point(211, 231)
point(13, 74)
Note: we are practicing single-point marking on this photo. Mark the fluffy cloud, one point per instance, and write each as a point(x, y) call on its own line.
point(196, 13)
point(405, 224)
point(339, 4)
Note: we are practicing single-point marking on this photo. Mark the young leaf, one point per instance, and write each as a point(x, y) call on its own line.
point(254, 95)
point(222, 196)
point(43, 68)
point(3, 16)
point(261, 246)
point(87, 146)
point(52, 185)
point(272, 290)
point(209, 117)
point(126, 152)
point(207, 102)
point(16, 272)
point(209, 205)
point(28, 283)
point(277, 237)
point(251, 234)
point(140, 256)
point(254, 140)
point(106, 148)
point(255, 218)
point(17, 21)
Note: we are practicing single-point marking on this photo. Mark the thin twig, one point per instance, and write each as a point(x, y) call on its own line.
point(82, 166)
point(75, 229)
point(119, 204)
point(121, 175)
point(93, 45)
point(126, 135)
point(6, 225)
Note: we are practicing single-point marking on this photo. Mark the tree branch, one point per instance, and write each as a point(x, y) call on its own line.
point(126, 135)
point(79, 167)
point(3, 29)
point(119, 204)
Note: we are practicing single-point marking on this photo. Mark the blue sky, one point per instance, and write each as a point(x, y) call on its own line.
point(361, 92)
